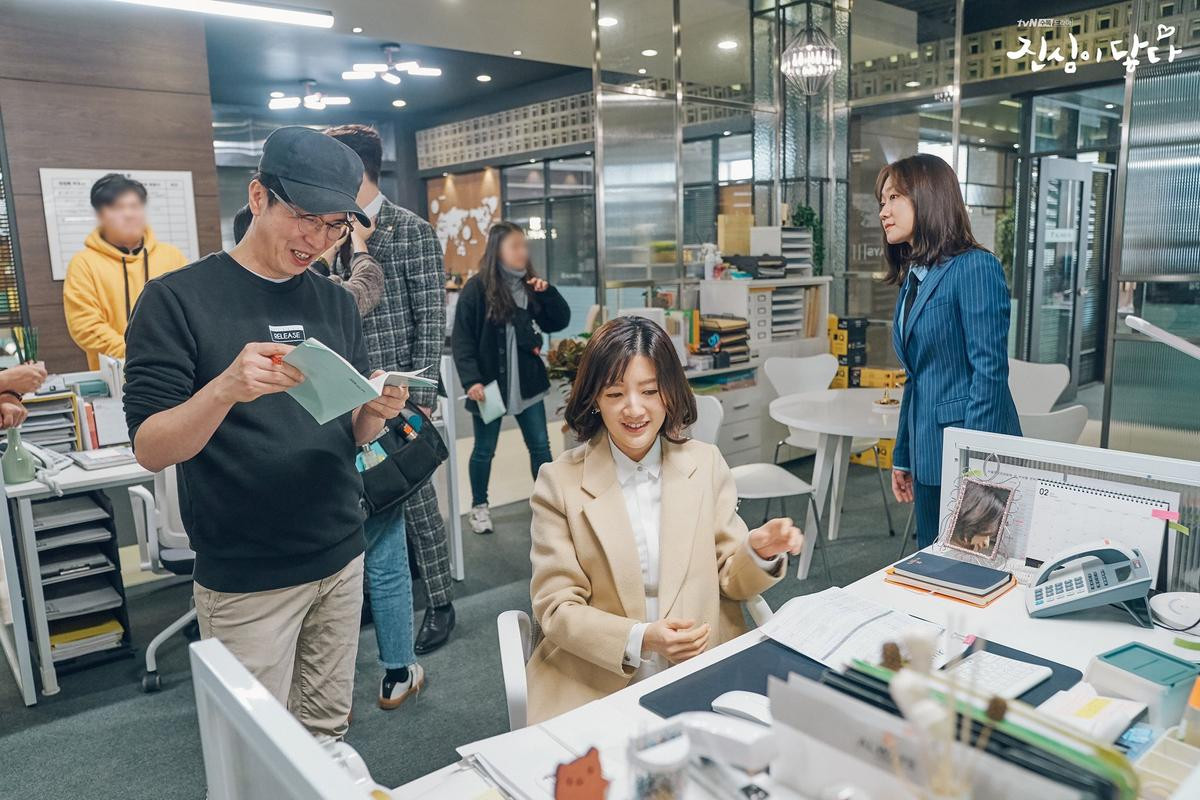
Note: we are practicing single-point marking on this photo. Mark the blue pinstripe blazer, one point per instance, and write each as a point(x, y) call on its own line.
point(954, 347)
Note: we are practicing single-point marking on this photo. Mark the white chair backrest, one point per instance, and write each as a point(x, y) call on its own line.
point(805, 374)
point(1035, 387)
point(170, 521)
point(709, 415)
point(795, 375)
point(1063, 425)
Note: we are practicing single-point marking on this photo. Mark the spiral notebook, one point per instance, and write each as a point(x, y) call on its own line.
point(1068, 515)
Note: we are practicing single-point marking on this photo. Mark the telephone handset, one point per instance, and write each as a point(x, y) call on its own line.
point(1100, 573)
point(46, 460)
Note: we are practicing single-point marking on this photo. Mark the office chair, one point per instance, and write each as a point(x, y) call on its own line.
point(519, 634)
point(1063, 425)
point(1035, 388)
point(759, 481)
point(164, 550)
point(814, 373)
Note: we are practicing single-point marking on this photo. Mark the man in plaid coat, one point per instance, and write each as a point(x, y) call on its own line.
point(407, 331)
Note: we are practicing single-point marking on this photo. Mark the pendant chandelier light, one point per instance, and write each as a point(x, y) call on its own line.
point(810, 61)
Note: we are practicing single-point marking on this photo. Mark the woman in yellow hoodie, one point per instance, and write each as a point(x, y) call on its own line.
point(105, 279)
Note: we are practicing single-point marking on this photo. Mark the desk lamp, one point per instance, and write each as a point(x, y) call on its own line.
point(1177, 611)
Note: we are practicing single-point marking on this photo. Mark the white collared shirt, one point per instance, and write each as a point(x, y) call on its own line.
point(641, 487)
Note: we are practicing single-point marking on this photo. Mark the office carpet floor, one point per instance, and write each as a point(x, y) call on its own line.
point(102, 737)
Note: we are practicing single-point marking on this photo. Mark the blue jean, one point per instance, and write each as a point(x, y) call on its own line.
point(390, 585)
point(928, 500)
point(532, 422)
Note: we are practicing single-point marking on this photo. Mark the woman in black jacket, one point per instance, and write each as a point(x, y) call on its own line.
point(498, 325)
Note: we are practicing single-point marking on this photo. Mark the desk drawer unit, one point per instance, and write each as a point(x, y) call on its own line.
point(741, 404)
point(743, 435)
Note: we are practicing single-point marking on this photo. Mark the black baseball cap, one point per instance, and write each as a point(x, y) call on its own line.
point(319, 174)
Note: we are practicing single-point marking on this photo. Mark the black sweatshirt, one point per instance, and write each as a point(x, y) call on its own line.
point(273, 499)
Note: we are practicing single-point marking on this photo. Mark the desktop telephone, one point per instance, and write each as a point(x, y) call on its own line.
point(47, 461)
point(1100, 573)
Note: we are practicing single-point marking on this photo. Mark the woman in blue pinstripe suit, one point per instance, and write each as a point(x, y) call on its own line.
point(950, 330)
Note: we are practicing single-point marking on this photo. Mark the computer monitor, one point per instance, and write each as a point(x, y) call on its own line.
point(253, 747)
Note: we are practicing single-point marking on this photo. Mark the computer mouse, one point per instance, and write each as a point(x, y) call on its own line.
point(744, 705)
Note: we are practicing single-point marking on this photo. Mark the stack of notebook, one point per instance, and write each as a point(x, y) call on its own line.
point(81, 635)
point(733, 336)
point(948, 577)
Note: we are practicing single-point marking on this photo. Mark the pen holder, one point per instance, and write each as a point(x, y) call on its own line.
point(658, 764)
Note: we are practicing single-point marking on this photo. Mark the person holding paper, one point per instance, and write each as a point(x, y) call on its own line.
point(105, 278)
point(640, 559)
point(270, 499)
point(501, 315)
point(950, 330)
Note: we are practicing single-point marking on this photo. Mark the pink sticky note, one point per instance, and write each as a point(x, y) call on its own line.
point(1162, 513)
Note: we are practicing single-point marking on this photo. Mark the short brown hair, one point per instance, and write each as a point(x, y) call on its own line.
point(941, 227)
point(608, 353)
point(364, 140)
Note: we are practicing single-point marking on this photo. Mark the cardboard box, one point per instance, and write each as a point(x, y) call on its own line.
point(855, 357)
point(877, 378)
point(845, 378)
point(853, 324)
point(840, 347)
point(831, 323)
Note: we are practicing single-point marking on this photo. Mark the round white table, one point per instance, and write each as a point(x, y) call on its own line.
point(837, 416)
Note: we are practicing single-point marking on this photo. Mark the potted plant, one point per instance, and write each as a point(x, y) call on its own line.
point(562, 364)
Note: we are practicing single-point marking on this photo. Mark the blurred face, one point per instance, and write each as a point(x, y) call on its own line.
point(514, 252)
point(123, 222)
point(286, 240)
point(633, 409)
point(896, 214)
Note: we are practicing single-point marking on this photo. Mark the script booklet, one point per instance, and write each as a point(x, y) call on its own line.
point(332, 386)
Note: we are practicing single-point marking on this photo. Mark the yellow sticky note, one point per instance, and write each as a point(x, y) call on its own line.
point(1175, 526)
point(1092, 707)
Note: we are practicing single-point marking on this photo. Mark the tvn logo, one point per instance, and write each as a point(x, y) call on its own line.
point(287, 334)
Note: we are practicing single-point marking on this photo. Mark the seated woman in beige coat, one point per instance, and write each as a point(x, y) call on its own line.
point(639, 557)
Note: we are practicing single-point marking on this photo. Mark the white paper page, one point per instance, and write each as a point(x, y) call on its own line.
point(398, 378)
point(524, 762)
point(815, 624)
point(492, 407)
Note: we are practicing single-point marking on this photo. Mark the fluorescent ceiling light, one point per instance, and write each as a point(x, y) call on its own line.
point(336, 100)
point(263, 12)
point(357, 75)
point(727, 44)
point(370, 67)
point(606, 22)
point(649, 53)
point(281, 103)
point(276, 95)
point(483, 78)
point(641, 70)
point(1010, 103)
point(406, 66)
point(912, 84)
point(426, 72)
point(399, 103)
point(391, 78)
point(356, 29)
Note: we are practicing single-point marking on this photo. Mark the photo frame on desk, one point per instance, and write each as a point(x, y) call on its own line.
point(980, 519)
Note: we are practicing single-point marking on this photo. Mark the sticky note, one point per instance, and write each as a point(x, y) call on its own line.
point(1175, 526)
point(1092, 707)
point(1162, 513)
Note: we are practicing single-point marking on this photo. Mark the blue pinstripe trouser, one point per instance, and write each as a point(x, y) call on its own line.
point(928, 500)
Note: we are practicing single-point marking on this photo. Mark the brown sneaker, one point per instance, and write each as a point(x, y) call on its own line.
point(393, 693)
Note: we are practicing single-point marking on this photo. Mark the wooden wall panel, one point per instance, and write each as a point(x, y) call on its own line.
point(97, 86)
point(462, 208)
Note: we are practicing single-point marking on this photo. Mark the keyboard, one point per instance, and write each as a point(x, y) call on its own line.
point(998, 675)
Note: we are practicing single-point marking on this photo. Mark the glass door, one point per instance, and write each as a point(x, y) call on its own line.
point(1070, 241)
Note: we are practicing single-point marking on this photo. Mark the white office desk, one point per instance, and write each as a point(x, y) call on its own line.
point(1070, 640)
point(22, 543)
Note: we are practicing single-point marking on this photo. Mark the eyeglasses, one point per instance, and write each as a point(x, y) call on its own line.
point(311, 224)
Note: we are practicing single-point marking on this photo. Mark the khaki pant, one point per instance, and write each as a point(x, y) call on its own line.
point(299, 642)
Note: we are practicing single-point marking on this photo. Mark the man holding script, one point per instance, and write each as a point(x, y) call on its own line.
point(270, 498)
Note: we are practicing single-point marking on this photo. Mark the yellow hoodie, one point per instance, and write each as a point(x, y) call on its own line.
point(98, 299)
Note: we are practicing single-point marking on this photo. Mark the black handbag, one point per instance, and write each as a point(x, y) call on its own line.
point(409, 462)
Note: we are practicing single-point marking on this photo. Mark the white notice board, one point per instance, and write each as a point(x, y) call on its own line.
point(66, 193)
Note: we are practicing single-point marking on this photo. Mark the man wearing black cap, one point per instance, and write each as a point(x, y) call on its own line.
point(270, 499)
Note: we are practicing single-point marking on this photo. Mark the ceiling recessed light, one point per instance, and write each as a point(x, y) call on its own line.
point(336, 100)
point(650, 53)
point(641, 71)
point(726, 133)
point(587, 152)
point(445, 174)
point(399, 103)
point(982, 140)
point(425, 72)
point(516, 52)
point(727, 44)
point(356, 29)
point(357, 75)
point(1109, 105)
point(281, 103)
point(606, 22)
point(483, 78)
point(912, 84)
point(533, 161)
point(390, 77)
point(277, 94)
point(370, 67)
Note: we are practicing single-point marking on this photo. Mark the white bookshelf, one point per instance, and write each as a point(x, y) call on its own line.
point(795, 245)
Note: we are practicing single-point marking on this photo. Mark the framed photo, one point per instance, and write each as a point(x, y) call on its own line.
point(980, 517)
